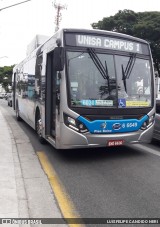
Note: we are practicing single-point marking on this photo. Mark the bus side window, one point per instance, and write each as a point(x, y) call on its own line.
point(38, 75)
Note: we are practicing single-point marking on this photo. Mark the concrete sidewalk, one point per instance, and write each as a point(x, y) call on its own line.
point(25, 191)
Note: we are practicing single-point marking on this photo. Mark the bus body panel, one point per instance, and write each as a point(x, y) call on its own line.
point(72, 140)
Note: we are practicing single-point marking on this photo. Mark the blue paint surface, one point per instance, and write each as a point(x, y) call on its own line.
point(113, 126)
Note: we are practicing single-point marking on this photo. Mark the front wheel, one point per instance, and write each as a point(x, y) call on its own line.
point(39, 128)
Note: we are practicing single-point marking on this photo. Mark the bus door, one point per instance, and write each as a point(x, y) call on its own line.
point(50, 100)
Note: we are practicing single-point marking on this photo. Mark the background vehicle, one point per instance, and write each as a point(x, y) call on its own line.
point(87, 88)
point(156, 132)
point(5, 96)
point(2, 95)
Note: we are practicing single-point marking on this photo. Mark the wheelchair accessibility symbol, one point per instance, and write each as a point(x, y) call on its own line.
point(122, 103)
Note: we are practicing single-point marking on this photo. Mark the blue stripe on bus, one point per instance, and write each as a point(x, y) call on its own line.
point(113, 126)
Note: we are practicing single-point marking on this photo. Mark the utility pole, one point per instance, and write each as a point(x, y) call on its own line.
point(14, 5)
point(59, 7)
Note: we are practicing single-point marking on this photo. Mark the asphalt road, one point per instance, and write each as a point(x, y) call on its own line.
point(120, 182)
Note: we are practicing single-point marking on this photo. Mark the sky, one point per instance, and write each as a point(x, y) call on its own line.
point(20, 24)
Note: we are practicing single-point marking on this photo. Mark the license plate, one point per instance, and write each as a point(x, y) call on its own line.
point(112, 143)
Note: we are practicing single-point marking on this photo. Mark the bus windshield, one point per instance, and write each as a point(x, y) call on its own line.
point(106, 80)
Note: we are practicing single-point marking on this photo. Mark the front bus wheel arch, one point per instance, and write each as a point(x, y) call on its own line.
point(38, 126)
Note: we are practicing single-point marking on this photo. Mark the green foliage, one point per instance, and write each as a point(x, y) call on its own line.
point(6, 76)
point(144, 25)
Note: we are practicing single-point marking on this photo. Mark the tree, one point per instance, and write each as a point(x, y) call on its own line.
point(6, 76)
point(144, 25)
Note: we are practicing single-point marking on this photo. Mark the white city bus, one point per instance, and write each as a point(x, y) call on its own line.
point(87, 88)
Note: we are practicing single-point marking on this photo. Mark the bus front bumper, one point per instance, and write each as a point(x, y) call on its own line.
point(71, 139)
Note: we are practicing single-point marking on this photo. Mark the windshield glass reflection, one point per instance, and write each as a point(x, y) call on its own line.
point(90, 87)
point(135, 90)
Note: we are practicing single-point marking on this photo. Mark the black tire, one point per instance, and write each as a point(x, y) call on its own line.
point(39, 128)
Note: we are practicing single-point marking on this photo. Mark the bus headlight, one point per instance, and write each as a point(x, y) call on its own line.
point(71, 121)
point(74, 124)
point(148, 123)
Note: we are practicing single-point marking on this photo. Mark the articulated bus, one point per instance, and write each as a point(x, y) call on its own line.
point(86, 89)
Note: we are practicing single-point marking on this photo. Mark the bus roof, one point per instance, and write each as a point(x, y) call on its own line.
point(60, 32)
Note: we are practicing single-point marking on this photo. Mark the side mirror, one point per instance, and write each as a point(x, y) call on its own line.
point(58, 59)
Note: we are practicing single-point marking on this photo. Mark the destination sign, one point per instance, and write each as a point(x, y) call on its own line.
point(112, 43)
point(108, 43)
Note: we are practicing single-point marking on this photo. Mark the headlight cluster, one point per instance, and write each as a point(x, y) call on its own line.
point(148, 122)
point(74, 124)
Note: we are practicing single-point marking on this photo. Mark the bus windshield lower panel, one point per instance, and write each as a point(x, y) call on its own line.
point(111, 81)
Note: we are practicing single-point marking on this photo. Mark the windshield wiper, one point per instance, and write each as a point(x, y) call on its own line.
point(101, 68)
point(127, 72)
